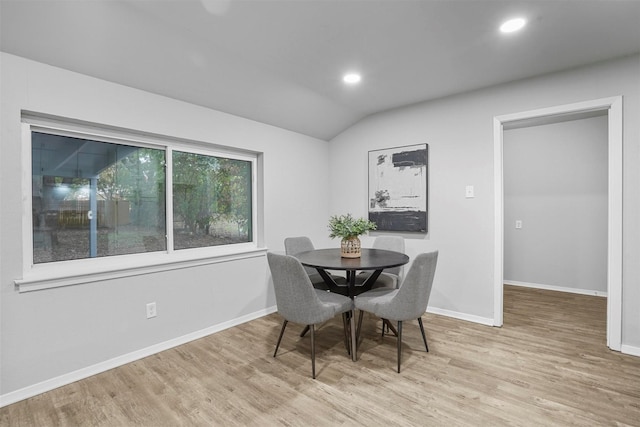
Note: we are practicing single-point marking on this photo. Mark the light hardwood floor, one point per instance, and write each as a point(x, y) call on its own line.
point(549, 365)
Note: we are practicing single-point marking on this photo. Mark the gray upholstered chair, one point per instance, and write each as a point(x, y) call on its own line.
point(299, 302)
point(295, 245)
point(408, 302)
point(390, 277)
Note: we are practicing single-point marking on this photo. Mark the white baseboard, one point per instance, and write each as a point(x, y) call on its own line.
point(62, 380)
point(462, 316)
point(556, 288)
point(631, 350)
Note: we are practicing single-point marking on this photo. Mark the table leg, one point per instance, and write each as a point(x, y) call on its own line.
point(351, 290)
point(351, 279)
point(390, 326)
point(345, 327)
point(354, 342)
point(359, 328)
point(365, 286)
point(371, 279)
point(331, 284)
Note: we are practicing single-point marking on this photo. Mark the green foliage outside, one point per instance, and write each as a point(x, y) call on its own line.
point(137, 177)
point(206, 190)
point(209, 190)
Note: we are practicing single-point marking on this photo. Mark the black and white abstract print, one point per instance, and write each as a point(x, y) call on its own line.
point(398, 188)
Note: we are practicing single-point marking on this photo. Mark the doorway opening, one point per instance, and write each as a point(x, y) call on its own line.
point(612, 107)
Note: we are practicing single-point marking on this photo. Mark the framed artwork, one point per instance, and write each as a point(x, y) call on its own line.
point(398, 188)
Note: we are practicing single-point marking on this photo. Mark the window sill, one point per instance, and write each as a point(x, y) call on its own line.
point(47, 276)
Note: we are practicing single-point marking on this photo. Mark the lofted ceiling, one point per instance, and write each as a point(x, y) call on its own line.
point(281, 62)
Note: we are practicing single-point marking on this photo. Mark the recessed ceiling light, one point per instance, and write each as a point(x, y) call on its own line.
point(352, 78)
point(512, 25)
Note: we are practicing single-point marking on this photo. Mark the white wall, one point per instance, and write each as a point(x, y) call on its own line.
point(459, 131)
point(555, 182)
point(55, 335)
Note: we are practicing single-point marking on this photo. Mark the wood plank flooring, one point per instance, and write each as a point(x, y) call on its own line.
point(548, 366)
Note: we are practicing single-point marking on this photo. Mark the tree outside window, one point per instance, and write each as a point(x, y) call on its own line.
point(97, 199)
point(211, 200)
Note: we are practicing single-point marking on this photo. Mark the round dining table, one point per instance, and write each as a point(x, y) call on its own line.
point(375, 260)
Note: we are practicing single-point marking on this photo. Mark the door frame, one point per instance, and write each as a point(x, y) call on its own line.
point(613, 107)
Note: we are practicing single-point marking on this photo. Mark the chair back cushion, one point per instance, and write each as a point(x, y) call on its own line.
point(411, 300)
point(296, 298)
point(295, 245)
point(390, 243)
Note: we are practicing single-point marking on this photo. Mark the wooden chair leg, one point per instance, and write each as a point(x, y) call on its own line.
point(284, 325)
point(399, 344)
point(313, 351)
point(424, 337)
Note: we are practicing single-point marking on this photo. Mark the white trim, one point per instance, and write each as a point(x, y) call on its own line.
point(100, 132)
point(614, 256)
point(589, 292)
point(62, 380)
point(498, 222)
point(52, 276)
point(630, 350)
point(462, 316)
point(87, 270)
point(613, 106)
point(168, 201)
point(27, 202)
point(562, 110)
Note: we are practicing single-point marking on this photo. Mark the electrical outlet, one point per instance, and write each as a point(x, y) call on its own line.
point(468, 192)
point(151, 310)
point(518, 224)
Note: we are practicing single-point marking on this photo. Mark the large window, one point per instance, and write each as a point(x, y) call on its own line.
point(93, 197)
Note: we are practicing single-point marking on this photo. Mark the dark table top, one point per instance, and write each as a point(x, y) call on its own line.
point(371, 259)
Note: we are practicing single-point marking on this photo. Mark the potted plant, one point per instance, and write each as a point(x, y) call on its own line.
point(349, 228)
